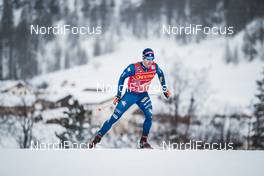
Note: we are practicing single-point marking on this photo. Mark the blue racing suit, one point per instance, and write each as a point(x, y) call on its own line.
point(142, 99)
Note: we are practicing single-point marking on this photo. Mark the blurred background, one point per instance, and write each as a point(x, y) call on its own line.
point(49, 83)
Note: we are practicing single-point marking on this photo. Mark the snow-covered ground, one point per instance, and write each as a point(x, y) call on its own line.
point(130, 163)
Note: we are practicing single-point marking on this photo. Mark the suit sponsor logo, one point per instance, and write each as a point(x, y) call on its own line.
point(145, 76)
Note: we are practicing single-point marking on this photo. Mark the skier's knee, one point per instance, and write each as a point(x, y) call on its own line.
point(117, 113)
point(113, 119)
point(115, 116)
point(148, 114)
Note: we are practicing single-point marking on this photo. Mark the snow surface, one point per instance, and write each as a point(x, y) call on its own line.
point(130, 163)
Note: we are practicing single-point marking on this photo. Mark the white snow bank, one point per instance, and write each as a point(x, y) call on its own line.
point(130, 163)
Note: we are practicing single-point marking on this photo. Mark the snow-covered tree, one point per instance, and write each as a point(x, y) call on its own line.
point(7, 41)
point(258, 126)
point(74, 124)
point(248, 46)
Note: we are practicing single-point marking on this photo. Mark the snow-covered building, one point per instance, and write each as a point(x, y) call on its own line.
point(16, 98)
point(18, 88)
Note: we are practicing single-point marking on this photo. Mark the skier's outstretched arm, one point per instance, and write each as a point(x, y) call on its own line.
point(129, 71)
point(162, 80)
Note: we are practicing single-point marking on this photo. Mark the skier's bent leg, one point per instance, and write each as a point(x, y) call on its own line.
point(146, 106)
point(148, 121)
point(143, 143)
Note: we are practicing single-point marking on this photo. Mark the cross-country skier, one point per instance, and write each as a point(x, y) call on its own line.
point(140, 75)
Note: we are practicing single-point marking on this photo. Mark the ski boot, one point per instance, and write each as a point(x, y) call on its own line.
point(143, 144)
point(95, 141)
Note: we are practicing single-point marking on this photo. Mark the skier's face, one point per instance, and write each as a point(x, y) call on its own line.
point(147, 63)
